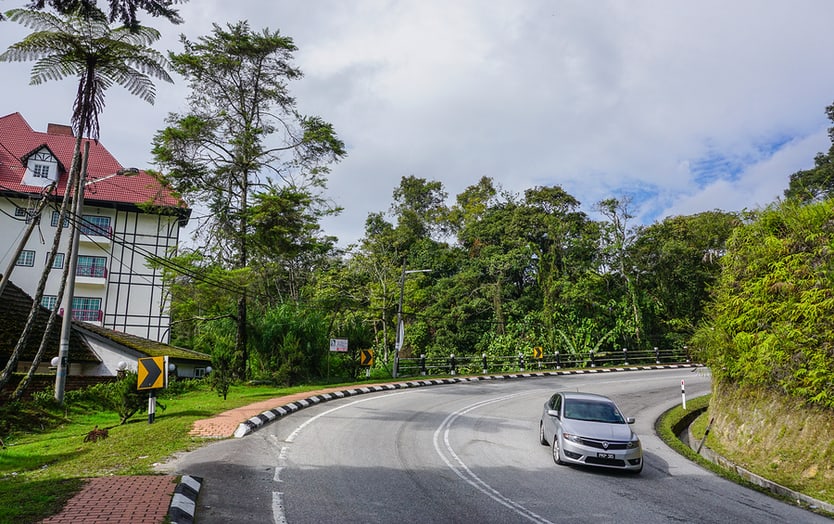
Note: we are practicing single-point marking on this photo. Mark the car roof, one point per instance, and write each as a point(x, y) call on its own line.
point(575, 395)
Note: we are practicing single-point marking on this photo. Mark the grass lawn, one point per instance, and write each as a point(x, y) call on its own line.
point(42, 465)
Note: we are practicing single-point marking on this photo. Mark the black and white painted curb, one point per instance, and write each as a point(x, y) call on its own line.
point(257, 422)
point(184, 501)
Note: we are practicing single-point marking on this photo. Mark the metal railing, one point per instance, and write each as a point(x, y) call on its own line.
point(524, 362)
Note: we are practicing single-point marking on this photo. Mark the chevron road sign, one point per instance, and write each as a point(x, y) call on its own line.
point(538, 353)
point(153, 373)
point(366, 357)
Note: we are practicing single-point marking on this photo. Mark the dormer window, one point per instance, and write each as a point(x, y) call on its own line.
point(41, 170)
point(42, 167)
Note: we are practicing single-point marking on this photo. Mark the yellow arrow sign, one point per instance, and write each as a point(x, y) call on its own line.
point(538, 353)
point(366, 357)
point(152, 373)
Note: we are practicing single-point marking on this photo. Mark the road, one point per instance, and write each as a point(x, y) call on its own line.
point(465, 453)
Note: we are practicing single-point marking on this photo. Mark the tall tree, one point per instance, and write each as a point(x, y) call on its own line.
point(83, 45)
point(618, 237)
point(242, 136)
point(678, 260)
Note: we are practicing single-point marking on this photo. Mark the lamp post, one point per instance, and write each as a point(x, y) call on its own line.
point(69, 288)
point(400, 325)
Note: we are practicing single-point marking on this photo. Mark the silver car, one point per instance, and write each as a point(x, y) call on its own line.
point(589, 429)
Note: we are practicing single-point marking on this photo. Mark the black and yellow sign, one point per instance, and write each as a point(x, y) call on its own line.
point(153, 373)
point(366, 357)
point(538, 352)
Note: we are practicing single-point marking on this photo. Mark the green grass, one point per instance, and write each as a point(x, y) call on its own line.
point(43, 464)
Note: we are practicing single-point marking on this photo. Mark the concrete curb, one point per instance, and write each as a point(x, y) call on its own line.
point(184, 502)
point(749, 476)
point(257, 422)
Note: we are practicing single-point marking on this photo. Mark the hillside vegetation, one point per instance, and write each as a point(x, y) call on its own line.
point(768, 339)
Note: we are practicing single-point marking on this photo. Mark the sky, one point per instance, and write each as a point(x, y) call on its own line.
point(681, 106)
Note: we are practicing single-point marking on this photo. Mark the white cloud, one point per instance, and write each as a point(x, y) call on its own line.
point(679, 100)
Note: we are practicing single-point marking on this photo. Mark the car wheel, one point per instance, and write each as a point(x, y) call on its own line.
point(557, 453)
point(542, 439)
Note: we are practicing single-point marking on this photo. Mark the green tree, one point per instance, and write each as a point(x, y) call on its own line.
point(242, 136)
point(617, 239)
point(818, 182)
point(678, 260)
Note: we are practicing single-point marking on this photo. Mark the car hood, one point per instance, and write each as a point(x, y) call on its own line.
point(598, 430)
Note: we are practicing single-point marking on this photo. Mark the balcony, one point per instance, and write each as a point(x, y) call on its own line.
point(92, 275)
point(85, 315)
point(95, 234)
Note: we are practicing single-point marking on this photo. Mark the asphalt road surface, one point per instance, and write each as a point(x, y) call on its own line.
point(465, 453)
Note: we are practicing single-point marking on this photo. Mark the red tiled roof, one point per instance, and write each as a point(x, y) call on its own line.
point(18, 140)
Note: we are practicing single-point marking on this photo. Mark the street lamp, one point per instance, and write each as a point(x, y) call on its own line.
point(400, 325)
point(69, 288)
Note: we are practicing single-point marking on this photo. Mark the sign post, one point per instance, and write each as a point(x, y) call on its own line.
point(152, 375)
point(366, 360)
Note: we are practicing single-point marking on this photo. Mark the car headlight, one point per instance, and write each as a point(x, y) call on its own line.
point(634, 443)
point(572, 438)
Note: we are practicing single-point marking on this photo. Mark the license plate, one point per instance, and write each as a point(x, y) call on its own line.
point(605, 455)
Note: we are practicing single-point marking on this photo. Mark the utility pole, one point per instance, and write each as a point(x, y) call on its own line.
point(400, 325)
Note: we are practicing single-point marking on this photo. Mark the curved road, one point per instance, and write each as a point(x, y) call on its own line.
point(464, 453)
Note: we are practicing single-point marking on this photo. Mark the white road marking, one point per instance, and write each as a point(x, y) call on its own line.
point(278, 514)
point(292, 436)
point(454, 462)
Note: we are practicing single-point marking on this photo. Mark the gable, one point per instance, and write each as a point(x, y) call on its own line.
point(42, 167)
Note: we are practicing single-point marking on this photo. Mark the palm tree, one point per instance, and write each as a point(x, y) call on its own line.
point(81, 45)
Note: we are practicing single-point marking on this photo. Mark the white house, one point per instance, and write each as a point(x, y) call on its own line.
point(126, 222)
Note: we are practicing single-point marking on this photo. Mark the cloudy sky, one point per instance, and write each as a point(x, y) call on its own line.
point(685, 106)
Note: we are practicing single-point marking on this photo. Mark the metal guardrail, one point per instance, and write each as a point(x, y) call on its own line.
point(521, 362)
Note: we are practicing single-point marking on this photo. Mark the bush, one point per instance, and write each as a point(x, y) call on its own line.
point(120, 396)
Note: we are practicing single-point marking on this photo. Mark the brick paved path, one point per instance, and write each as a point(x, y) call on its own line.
point(119, 500)
point(225, 424)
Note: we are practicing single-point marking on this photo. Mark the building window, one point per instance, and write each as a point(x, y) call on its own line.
point(199, 372)
point(41, 170)
point(95, 226)
point(91, 266)
point(26, 258)
point(86, 309)
point(49, 301)
point(24, 213)
point(57, 215)
point(58, 263)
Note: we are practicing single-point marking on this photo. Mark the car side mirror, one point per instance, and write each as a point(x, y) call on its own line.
point(630, 420)
point(553, 413)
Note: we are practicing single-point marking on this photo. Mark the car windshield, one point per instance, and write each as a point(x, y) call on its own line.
point(592, 411)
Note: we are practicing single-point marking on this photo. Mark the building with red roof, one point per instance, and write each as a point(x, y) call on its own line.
point(126, 222)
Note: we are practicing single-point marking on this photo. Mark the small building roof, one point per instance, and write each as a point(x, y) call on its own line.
point(145, 346)
point(14, 310)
